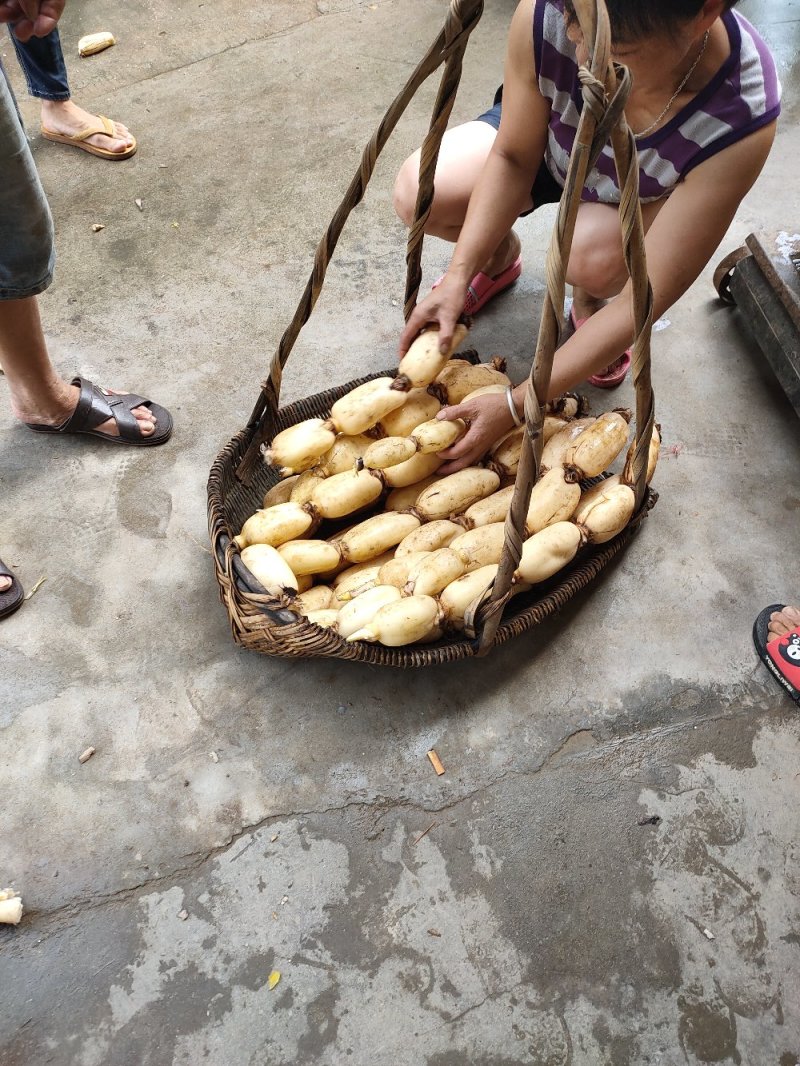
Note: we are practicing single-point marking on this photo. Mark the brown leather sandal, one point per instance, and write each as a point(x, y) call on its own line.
point(11, 599)
point(95, 407)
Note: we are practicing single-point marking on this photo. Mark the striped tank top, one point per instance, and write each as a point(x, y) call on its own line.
point(743, 96)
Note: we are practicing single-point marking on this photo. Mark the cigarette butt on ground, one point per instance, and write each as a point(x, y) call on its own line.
point(86, 755)
point(436, 762)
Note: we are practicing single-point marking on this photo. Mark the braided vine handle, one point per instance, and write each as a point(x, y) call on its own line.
point(605, 88)
point(448, 48)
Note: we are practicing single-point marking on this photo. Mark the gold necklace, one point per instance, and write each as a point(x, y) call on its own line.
point(678, 91)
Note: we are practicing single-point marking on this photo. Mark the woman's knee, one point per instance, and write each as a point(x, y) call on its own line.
point(404, 195)
point(596, 266)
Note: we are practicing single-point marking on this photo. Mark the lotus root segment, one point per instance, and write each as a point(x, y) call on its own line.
point(458, 379)
point(376, 535)
point(407, 621)
point(652, 458)
point(365, 406)
point(344, 494)
point(419, 407)
point(424, 360)
point(598, 446)
point(310, 556)
point(276, 525)
point(430, 537)
point(555, 450)
point(554, 498)
point(429, 575)
point(609, 511)
point(389, 451)
point(547, 552)
point(395, 571)
point(461, 593)
point(269, 568)
point(493, 508)
point(481, 545)
point(456, 492)
point(360, 611)
point(299, 447)
point(438, 434)
point(415, 469)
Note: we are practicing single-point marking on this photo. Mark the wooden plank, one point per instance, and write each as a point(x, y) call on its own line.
point(767, 320)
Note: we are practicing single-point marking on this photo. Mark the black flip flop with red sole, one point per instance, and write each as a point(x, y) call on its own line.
point(11, 599)
point(780, 655)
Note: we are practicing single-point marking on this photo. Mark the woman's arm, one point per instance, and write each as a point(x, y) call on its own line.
point(503, 189)
point(680, 242)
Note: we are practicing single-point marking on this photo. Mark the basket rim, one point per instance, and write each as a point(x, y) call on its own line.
point(289, 629)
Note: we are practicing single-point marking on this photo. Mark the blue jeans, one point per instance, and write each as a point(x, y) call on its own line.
point(27, 255)
point(43, 65)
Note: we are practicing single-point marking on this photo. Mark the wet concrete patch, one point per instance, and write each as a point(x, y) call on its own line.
point(542, 921)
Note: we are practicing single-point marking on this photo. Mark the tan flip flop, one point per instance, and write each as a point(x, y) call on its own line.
point(79, 140)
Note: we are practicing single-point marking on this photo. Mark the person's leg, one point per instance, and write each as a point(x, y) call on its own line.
point(596, 269)
point(38, 395)
point(42, 63)
point(463, 152)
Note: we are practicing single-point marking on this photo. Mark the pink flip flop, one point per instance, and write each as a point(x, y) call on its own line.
point(483, 288)
point(615, 373)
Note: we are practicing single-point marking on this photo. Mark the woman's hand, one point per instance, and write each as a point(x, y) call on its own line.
point(443, 307)
point(488, 419)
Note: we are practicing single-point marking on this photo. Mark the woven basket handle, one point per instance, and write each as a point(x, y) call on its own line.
point(448, 48)
point(605, 88)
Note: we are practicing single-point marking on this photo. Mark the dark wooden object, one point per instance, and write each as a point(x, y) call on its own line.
point(766, 289)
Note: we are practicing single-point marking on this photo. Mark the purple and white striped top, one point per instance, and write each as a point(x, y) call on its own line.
point(743, 96)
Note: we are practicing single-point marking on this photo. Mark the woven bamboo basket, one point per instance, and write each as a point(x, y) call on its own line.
point(239, 479)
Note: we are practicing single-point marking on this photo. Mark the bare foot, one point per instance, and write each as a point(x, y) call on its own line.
point(63, 404)
point(5, 584)
point(66, 118)
point(783, 622)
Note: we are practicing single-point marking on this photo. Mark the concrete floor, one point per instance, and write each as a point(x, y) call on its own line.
point(514, 911)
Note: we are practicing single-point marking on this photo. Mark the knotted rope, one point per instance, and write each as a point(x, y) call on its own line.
point(605, 88)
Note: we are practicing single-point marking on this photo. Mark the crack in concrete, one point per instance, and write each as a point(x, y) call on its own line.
point(386, 804)
point(276, 36)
